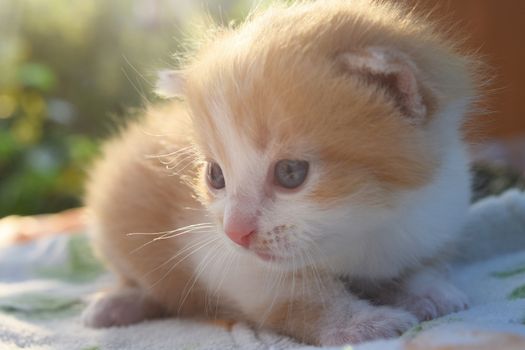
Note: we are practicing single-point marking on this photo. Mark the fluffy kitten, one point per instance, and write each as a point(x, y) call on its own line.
point(309, 181)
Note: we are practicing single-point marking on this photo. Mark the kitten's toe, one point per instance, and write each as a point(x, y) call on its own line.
point(120, 308)
point(370, 324)
point(435, 302)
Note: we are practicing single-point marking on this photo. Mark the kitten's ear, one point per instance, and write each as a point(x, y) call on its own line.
point(394, 73)
point(170, 83)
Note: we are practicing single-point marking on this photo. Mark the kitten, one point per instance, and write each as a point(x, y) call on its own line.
point(310, 181)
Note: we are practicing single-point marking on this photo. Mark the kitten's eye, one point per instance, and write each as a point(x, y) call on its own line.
point(215, 176)
point(290, 173)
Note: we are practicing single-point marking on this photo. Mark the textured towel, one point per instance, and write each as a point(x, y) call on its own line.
point(45, 284)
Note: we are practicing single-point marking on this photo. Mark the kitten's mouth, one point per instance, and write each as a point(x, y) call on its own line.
point(268, 256)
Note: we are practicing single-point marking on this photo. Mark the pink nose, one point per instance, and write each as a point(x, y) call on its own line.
point(241, 230)
point(240, 237)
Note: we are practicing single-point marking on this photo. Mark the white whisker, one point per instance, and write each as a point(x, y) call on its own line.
point(197, 273)
point(211, 230)
point(175, 233)
point(276, 291)
point(316, 277)
point(199, 245)
point(165, 155)
point(170, 231)
point(177, 161)
point(290, 305)
point(184, 167)
point(231, 256)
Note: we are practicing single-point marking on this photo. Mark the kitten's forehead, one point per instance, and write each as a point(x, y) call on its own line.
point(241, 160)
point(253, 100)
point(249, 118)
point(240, 113)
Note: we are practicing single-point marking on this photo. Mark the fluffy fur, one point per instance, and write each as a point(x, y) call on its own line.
point(373, 99)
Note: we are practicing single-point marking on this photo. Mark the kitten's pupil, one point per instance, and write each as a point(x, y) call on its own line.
point(215, 176)
point(290, 173)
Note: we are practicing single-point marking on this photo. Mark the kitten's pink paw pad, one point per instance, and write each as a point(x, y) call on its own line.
point(113, 310)
point(376, 323)
point(436, 302)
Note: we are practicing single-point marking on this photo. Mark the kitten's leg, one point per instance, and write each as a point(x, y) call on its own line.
point(428, 294)
point(121, 307)
point(337, 317)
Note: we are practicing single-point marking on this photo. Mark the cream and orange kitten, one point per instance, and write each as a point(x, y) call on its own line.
point(309, 178)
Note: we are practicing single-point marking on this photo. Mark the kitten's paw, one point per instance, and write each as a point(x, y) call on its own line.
point(436, 301)
point(119, 308)
point(370, 324)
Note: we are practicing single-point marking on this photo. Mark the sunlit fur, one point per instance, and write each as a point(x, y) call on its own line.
point(386, 192)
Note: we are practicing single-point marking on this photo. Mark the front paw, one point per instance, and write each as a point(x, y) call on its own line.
point(120, 308)
point(435, 302)
point(369, 324)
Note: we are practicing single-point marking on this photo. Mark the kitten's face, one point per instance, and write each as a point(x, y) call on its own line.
point(301, 155)
point(358, 119)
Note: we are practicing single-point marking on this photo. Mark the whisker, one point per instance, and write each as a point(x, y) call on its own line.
point(276, 292)
point(322, 257)
point(137, 71)
point(207, 294)
point(196, 230)
point(198, 209)
point(190, 159)
point(290, 305)
point(183, 233)
point(140, 91)
point(165, 155)
point(181, 155)
point(170, 231)
point(187, 247)
point(304, 295)
point(175, 233)
point(232, 257)
point(202, 245)
point(184, 167)
point(317, 277)
point(197, 273)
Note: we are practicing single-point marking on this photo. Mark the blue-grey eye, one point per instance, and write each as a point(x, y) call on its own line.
point(215, 176)
point(290, 173)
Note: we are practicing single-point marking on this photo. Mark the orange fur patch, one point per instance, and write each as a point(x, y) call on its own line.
point(287, 91)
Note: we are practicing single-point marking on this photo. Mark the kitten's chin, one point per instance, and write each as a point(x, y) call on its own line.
point(284, 263)
point(267, 257)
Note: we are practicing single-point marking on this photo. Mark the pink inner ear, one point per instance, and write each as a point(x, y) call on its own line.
point(170, 83)
point(393, 72)
point(403, 87)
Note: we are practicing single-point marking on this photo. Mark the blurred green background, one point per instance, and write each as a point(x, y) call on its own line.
point(70, 71)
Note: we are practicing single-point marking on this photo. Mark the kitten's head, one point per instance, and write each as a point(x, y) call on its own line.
point(311, 124)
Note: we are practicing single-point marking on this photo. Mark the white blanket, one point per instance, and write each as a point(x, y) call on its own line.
point(44, 286)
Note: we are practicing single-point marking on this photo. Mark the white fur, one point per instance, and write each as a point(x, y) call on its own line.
point(350, 238)
point(381, 242)
point(428, 294)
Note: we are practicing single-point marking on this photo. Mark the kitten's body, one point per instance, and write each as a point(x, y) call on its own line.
point(374, 101)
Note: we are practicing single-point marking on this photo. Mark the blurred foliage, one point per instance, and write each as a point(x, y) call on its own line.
point(493, 179)
point(69, 69)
